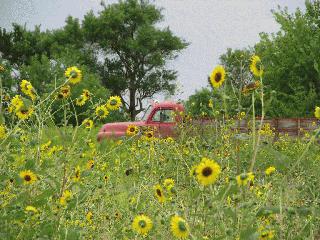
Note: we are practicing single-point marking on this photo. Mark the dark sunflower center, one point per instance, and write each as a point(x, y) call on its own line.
point(73, 74)
point(77, 174)
point(142, 223)
point(243, 176)
point(149, 135)
point(218, 77)
point(159, 193)
point(132, 129)
point(182, 226)
point(207, 171)
point(113, 102)
point(24, 111)
point(27, 178)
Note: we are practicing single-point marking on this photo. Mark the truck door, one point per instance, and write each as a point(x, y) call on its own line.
point(167, 123)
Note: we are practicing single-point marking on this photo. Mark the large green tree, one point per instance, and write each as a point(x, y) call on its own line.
point(134, 51)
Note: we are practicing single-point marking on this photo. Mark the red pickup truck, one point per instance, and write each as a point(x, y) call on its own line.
point(162, 117)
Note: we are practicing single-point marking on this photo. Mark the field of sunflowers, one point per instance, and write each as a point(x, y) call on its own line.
point(58, 182)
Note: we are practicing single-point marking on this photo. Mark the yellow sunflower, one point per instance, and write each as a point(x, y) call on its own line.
point(142, 224)
point(66, 196)
point(102, 111)
point(77, 173)
point(2, 131)
point(86, 93)
point(149, 135)
point(80, 101)
point(27, 88)
point(28, 177)
point(266, 234)
point(73, 74)
point(88, 123)
point(90, 164)
point(114, 103)
point(256, 66)
point(179, 227)
point(89, 216)
point(65, 92)
point(24, 113)
point(270, 170)
point(217, 76)
point(16, 103)
point(250, 87)
point(244, 178)
point(207, 172)
point(158, 192)
point(317, 112)
point(132, 130)
point(31, 209)
point(168, 182)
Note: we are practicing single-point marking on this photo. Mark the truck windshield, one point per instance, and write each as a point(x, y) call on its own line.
point(147, 113)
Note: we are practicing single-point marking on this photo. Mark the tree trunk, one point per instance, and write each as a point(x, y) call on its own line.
point(132, 104)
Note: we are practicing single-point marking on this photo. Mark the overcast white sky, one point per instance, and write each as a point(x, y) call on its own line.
point(211, 26)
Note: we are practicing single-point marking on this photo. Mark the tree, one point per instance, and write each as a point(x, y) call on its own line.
point(135, 51)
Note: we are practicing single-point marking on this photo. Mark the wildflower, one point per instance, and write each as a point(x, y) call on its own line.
point(132, 130)
point(102, 111)
point(149, 135)
point(89, 216)
point(270, 170)
point(114, 103)
point(65, 92)
point(256, 66)
point(31, 209)
point(244, 178)
point(27, 88)
point(317, 112)
point(159, 193)
point(207, 171)
point(66, 196)
point(88, 123)
point(28, 177)
point(76, 177)
point(217, 77)
point(142, 224)
point(73, 74)
point(168, 182)
point(106, 178)
point(2, 69)
point(90, 164)
point(86, 93)
point(179, 227)
point(24, 113)
point(2, 131)
point(169, 140)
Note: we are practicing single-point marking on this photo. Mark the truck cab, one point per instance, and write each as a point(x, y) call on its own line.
point(161, 117)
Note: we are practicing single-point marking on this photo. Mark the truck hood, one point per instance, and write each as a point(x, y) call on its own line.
point(119, 126)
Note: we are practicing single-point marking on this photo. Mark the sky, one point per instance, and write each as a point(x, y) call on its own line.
point(210, 26)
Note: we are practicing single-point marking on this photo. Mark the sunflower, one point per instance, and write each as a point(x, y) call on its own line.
point(317, 112)
point(114, 103)
point(149, 135)
point(65, 91)
point(88, 123)
point(86, 93)
point(250, 87)
point(244, 178)
point(80, 101)
point(73, 74)
point(256, 66)
point(132, 130)
point(179, 227)
point(266, 234)
point(2, 131)
point(102, 111)
point(207, 171)
point(27, 88)
point(217, 76)
point(76, 177)
point(270, 170)
point(16, 103)
point(89, 216)
point(142, 224)
point(168, 182)
point(28, 177)
point(90, 164)
point(45, 146)
point(66, 196)
point(158, 192)
point(31, 209)
point(24, 113)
